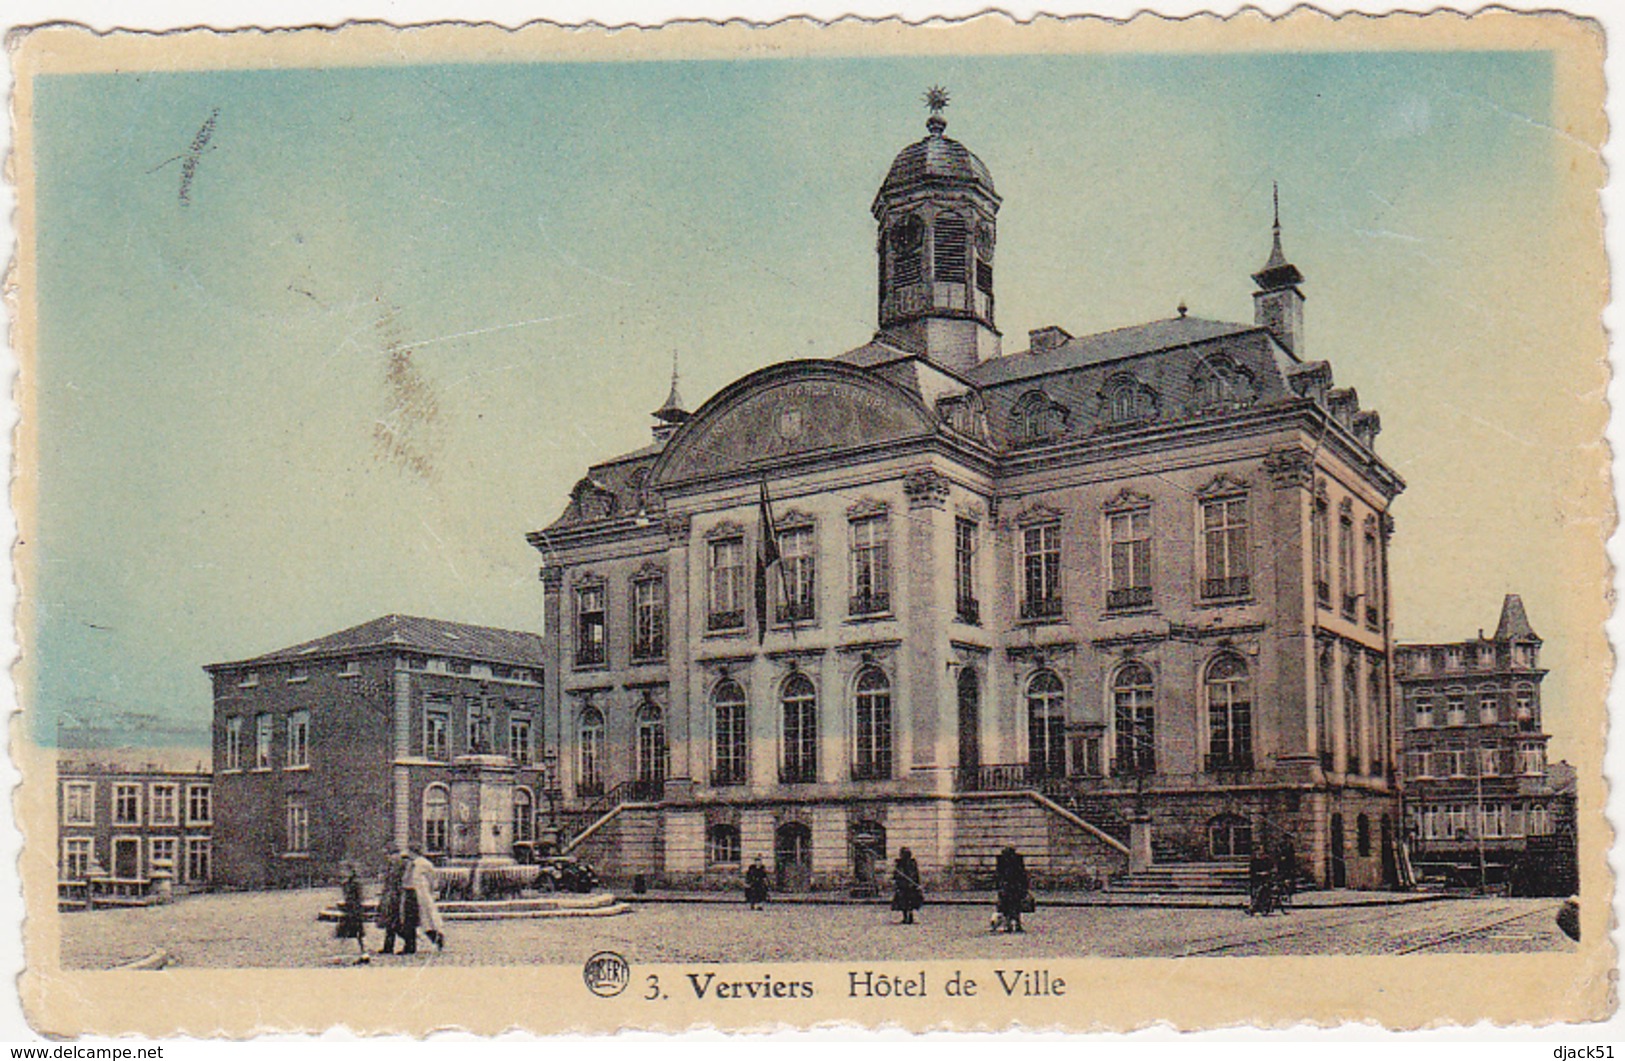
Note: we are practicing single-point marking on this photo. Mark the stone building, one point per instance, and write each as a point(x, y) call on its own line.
point(1113, 597)
point(1477, 784)
point(125, 824)
point(371, 739)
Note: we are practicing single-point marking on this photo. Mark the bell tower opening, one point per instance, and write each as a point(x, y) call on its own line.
point(936, 237)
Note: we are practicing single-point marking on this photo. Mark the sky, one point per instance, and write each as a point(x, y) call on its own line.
point(320, 345)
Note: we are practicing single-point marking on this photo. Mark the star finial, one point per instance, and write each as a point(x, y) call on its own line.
point(936, 98)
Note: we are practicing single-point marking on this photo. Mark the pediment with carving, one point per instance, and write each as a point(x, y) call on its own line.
point(1223, 483)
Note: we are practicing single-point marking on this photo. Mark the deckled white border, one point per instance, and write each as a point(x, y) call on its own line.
point(160, 15)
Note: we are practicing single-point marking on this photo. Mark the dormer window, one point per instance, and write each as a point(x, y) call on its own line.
point(1036, 418)
point(1125, 400)
point(1219, 384)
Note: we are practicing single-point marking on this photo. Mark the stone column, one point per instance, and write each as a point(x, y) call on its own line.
point(482, 809)
point(926, 607)
point(401, 774)
point(1292, 736)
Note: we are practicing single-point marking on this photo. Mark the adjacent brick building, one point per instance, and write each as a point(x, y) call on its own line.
point(1477, 784)
point(125, 821)
point(1115, 595)
point(343, 747)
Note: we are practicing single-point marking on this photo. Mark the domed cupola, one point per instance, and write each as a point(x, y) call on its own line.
point(936, 211)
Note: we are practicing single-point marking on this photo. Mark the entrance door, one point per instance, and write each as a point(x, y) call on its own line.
point(970, 720)
point(1390, 862)
point(868, 858)
point(127, 859)
point(1339, 860)
point(792, 857)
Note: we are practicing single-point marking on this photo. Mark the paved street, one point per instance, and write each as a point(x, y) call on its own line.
point(279, 929)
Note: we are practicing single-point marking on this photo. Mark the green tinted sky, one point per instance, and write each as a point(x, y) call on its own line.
point(545, 236)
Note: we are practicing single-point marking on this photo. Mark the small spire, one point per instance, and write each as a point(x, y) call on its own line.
point(673, 411)
point(1183, 309)
point(1277, 272)
point(937, 99)
point(1277, 258)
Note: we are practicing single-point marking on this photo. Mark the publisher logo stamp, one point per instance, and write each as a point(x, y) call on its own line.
point(606, 974)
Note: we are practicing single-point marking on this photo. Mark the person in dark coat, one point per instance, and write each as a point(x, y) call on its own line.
point(756, 884)
point(907, 895)
point(1286, 875)
point(1010, 876)
point(389, 901)
point(1260, 882)
point(352, 914)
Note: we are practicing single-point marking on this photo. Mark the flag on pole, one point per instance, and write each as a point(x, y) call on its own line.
point(767, 555)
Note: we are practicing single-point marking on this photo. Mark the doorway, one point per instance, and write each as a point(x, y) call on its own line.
point(868, 858)
point(1390, 861)
point(127, 858)
point(970, 721)
point(792, 857)
point(1339, 858)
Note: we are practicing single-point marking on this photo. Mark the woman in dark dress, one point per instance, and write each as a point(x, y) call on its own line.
point(389, 902)
point(1010, 876)
point(353, 915)
point(756, 884)
point(907, 895)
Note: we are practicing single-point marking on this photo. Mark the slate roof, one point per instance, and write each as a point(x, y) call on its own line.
point(1514, 625)
point(1085, 350)
point(437, 637)
point(932, 160)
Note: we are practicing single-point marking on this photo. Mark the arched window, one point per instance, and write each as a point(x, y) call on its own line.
point(799, 701)
point(1134, 718)
point(1046, 726)
point(732, 747)
point(1036, 418)
point(1229, 714)
point(651, 744)
point(1351, 717)
point(722, 845)
point(436, 818)
point(1126, 400)
point(524, 816)
point(874, 726)
point(1230, 836)
point(590, 753)
point(1218, 383)
point(1323, 705)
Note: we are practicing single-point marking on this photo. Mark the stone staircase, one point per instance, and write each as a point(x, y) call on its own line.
point(1186, 878)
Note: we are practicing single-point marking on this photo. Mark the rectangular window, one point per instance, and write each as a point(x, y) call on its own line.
point(298, 739)
point(519, 738)
point(1533, 760)
point(197, 859)
point(479, 726)
point(1322, 553)
point(350, 668)
point(1489, 762)
point(162, 854)
point(591, 636)
point(249, 680)
point(199, 804)
point(299, 673)
point(234, 744)
point(76, 852)
point(79, 803)
point(967, 607)
point(297, 834)
point(649, 619)
point(262, 742)
point(1455, 709)
point(726, 609)
point(1345, 564)
point(1224, 537)
point(1130, 534)
point(871, 566)
point(437, 729)
point(798, 586)
point(1373, 581)
point(1457, 758)
point(127, 804)
point(1041, 571)
point(1489, 708)
point(166, 801)
point(1424, 712)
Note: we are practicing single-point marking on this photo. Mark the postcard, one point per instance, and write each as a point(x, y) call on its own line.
point(1067, 523)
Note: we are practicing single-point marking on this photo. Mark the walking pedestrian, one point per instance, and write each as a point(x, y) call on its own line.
point(352, 915)
point(1261, 888)
point(756, 884)
point(907, 895)
point(1286, 875)
point(1010, 877)
point(389, 901)
point(418, 906)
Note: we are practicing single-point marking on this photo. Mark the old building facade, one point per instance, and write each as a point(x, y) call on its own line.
point(349, 747)
point(1478, 787)
point(1112, 597)
point(127, 824)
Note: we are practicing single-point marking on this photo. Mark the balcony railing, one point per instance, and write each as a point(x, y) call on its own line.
point(1131, 597)
point(1233, 586)
point(798, 773)
point(646, 790)
point(730, 620)
point(1227, 762)
point(589, 655)
point(1041, 608)
point(652, 651)
point(589, 789)
point(874, 770)
point(869, 604)
point(969, 610)
point(796, 611)
point(1144, 766)
point(726, 776)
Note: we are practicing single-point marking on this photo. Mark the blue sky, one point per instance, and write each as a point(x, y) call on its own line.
point(544, 236)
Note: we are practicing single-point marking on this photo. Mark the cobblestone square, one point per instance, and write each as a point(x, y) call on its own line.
point(279, 929)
